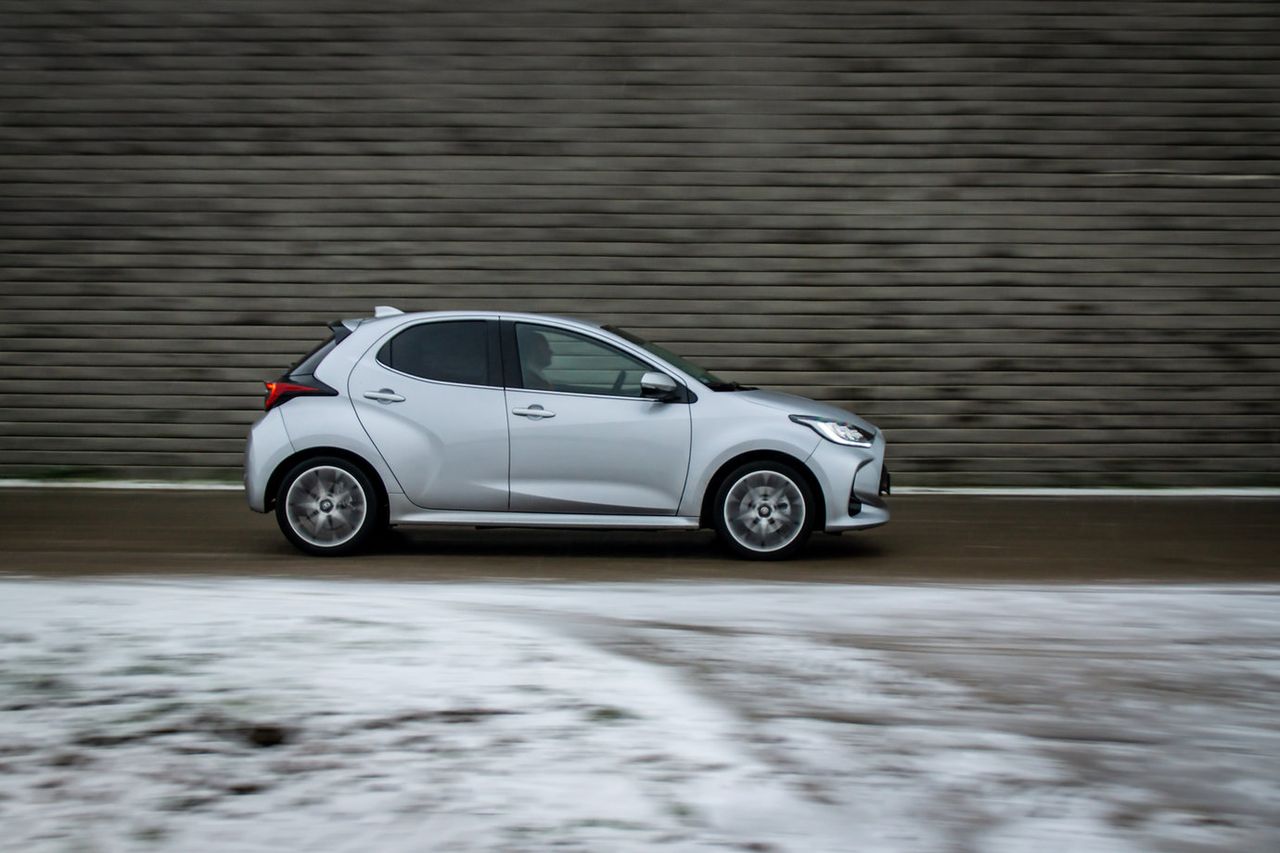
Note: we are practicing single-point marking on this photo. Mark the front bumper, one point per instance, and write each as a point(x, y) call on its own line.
point(853, 481)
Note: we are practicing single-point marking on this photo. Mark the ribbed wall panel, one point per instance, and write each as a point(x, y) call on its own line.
point(1035, 240)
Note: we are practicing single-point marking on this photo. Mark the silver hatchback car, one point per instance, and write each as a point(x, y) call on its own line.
point(521, 420)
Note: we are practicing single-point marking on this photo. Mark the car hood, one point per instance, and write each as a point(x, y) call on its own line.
point(795, 405)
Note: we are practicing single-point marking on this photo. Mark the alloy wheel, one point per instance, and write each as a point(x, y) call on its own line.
point(764, 511)
point(326, 506)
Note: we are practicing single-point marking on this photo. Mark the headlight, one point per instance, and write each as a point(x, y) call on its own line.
point(835, 431)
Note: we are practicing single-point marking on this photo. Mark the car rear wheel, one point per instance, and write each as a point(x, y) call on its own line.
point(764, 511)
point(327, 506)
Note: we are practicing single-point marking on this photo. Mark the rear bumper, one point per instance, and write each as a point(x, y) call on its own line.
point(268, 446)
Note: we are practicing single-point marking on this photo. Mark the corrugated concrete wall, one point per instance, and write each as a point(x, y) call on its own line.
point(1033, 239)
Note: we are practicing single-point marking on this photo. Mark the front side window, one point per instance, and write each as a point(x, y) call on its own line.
point(452, 351)
point(557, 360)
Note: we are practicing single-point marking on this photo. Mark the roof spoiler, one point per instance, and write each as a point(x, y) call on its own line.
point(342, 328)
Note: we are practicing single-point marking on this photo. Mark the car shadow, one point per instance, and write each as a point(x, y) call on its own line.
point(464, 543)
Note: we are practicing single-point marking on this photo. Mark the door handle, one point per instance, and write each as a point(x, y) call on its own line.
point(384, 396)
point(534, 412)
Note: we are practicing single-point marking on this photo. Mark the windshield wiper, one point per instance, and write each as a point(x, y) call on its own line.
point(728, 386)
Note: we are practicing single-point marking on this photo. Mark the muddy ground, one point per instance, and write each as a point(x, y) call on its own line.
point(931, 538)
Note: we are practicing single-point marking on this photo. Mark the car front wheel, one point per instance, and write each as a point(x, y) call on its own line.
point(327, 506)
point(764, 511)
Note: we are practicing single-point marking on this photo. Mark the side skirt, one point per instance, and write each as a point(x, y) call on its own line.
point(404, 513)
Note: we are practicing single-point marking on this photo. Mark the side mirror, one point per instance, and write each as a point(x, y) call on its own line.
point(658, 386)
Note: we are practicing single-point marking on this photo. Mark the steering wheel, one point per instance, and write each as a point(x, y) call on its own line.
point(617, 383)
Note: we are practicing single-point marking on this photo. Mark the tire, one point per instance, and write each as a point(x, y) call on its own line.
point(328, 507)
point(764, 511)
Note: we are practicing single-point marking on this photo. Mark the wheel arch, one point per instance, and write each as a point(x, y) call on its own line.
point(713, 485)
point(273, 482)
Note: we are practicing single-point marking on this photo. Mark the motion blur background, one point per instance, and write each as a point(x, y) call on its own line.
point(1035, 240)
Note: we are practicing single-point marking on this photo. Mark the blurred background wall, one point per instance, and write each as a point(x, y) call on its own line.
point(1035, 240)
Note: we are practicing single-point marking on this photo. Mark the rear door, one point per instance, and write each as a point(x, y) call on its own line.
point(583, 438)
point(430, 398)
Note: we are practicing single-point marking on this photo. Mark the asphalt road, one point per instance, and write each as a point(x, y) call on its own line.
point(931, 539)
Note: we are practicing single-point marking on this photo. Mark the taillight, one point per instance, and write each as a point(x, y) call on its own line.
point(281, 392)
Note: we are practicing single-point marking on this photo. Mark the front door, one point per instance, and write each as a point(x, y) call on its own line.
point(583, 438)
point(430, 398)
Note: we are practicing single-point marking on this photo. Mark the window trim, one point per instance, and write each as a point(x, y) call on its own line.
point(493, 354)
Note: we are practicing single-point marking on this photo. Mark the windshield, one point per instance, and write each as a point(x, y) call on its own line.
point(706, 377)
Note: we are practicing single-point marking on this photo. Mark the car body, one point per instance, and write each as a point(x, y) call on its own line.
point(525, 420)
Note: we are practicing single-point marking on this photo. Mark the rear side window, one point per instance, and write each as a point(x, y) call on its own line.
point(307, 365)
point(454, 351)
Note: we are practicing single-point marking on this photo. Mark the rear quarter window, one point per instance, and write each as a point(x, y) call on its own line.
point(306, 366)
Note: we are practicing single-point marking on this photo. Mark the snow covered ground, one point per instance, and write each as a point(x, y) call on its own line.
point(274, 715)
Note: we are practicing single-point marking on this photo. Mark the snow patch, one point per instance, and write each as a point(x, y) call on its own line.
point(260, 714)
